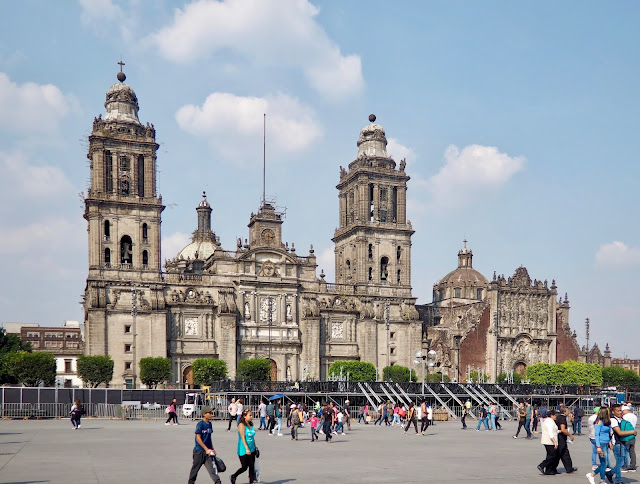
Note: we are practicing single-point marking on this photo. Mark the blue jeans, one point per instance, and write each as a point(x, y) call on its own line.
point(619, 452)
point(527, 426)
point(594, 452)
point(604, 462)
point(493, 422)
point(262, 423)
point(484, 421)
point(578, 424)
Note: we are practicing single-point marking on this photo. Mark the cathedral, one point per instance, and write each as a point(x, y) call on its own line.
point(260, 299)
point(263, 299)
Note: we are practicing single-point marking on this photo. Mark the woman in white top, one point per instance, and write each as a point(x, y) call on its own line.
point(550, 442)
point(240, 406)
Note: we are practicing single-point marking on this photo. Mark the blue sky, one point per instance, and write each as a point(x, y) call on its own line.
point(518, 121)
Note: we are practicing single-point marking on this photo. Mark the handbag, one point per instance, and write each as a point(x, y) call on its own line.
point(257, 453)
point(220, 465)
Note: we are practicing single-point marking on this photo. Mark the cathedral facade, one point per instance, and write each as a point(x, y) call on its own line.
point(259, 299)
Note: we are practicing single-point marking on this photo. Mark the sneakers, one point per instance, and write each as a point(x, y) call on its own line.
point(609, 477)
point(167, 423)
point(515, 436)
point(632, 469)
point(343, 433)
point(540, 468)
point(279, 435)
point(591, 478)
point(232, 478)
point(79, 426)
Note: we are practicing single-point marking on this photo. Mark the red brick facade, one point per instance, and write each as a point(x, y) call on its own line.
point(473, 348)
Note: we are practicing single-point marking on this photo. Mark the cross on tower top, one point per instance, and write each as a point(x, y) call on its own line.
point(121, 76)
point(465, 242)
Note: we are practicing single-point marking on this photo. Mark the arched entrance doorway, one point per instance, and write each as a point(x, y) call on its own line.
point(520, 368)
point(273, 374)
point(187, 377)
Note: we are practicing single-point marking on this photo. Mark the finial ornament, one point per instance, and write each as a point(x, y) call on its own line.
point(465, 242)
point(121, 76)
point(372, 118)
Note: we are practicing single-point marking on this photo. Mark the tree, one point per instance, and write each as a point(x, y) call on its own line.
point(31, 369)
point(10, 343)
point(567, 373)
point(358, 370)
point(436, 378)
point(398, 373)
point(94, 370)
point(207, 370)
point(154, 371)
point(256, 369)
point(517, 378)
point(618, 376)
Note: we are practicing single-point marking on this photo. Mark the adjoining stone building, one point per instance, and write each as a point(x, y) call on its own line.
point(260, 299)
point(497, 326)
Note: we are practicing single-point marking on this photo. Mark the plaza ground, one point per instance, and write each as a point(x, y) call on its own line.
point(113, 451)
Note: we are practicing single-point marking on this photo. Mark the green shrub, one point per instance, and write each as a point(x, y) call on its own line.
point(398, 373)
point(207, 370)
point(358, 370)
point(256, 369)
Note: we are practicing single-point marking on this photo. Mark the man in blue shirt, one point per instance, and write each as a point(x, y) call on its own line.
point(204, 451)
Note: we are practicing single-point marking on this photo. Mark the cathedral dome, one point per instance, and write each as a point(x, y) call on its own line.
point(198, 249)
point(464, 276)
point(372, 141)
point(121, 104)
point(464, 282)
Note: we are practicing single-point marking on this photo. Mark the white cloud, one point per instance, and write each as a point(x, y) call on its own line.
point(398, 151)
point(234, 123)
point(28, 180)
point(281, 33)
point(617, 254)
point(102, 16)
point(32, 108)
point(470, 172)
point(173, 244)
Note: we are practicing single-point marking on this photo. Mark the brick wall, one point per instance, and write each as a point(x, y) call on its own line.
point(473, 349)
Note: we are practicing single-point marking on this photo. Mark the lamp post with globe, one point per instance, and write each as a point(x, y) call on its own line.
point(420, 358)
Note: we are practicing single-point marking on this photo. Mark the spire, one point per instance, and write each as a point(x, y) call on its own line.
point(372, 141)
point(465, 256)
point(121, 103)
point(204, 220)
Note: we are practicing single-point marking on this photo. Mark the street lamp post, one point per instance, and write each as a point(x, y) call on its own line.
point(420, 358)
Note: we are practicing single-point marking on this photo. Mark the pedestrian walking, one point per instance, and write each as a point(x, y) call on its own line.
point(296, 420)
point(630, 440)
point(619, 449)
point(327, 422)
point(76, 412)
point(203, 450)
point(313, 423)
point(482, 418)
point(424, 420)
point(602, 437)
point(563, 454)
point(171, 411)
point(550, 441)
point(411, 418)
point(246, 447)
point(262, 409)
point(239, 409)
point(522, 419)
point(347, 414)
point(233, 411)
point(578, 413)
point(465, 412)
point(271, 416)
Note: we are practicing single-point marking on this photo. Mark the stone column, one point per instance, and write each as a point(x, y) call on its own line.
point(227, 342)
point(310, 329)
point(402, 205)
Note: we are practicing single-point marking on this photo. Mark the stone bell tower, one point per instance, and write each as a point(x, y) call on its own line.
point(373, 240)
point(123, 298)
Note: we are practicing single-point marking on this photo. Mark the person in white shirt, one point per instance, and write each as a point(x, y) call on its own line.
point(233, 411)
point(592, 437)
point(550, 442)
point(629, 416)
point(240, 405)
point(262, 408)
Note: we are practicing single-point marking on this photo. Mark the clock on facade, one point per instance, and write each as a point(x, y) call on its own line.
point(191, 326)
point(268, 236)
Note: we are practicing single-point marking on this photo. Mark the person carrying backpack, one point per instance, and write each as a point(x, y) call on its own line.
point(296, 419)
point(629, 421)
point(619, 449)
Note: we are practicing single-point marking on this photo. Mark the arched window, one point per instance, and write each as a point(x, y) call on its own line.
point(145, 232)
point(140, 175)
point(107, 230)
point(384, 273)
point(145, 258)
point(107, 257)
point(479, 293)
point(457, 292)
point(370, 251)
point(398, 252)
point(126, 250)
point(398, 276)
point(370, 273)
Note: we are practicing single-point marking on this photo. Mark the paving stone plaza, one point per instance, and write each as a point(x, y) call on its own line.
point(114, 451)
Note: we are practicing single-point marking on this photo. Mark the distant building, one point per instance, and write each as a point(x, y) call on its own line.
point(64, 342)
point(627, 364)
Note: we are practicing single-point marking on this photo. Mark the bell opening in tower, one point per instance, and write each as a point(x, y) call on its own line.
point(126, 251)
